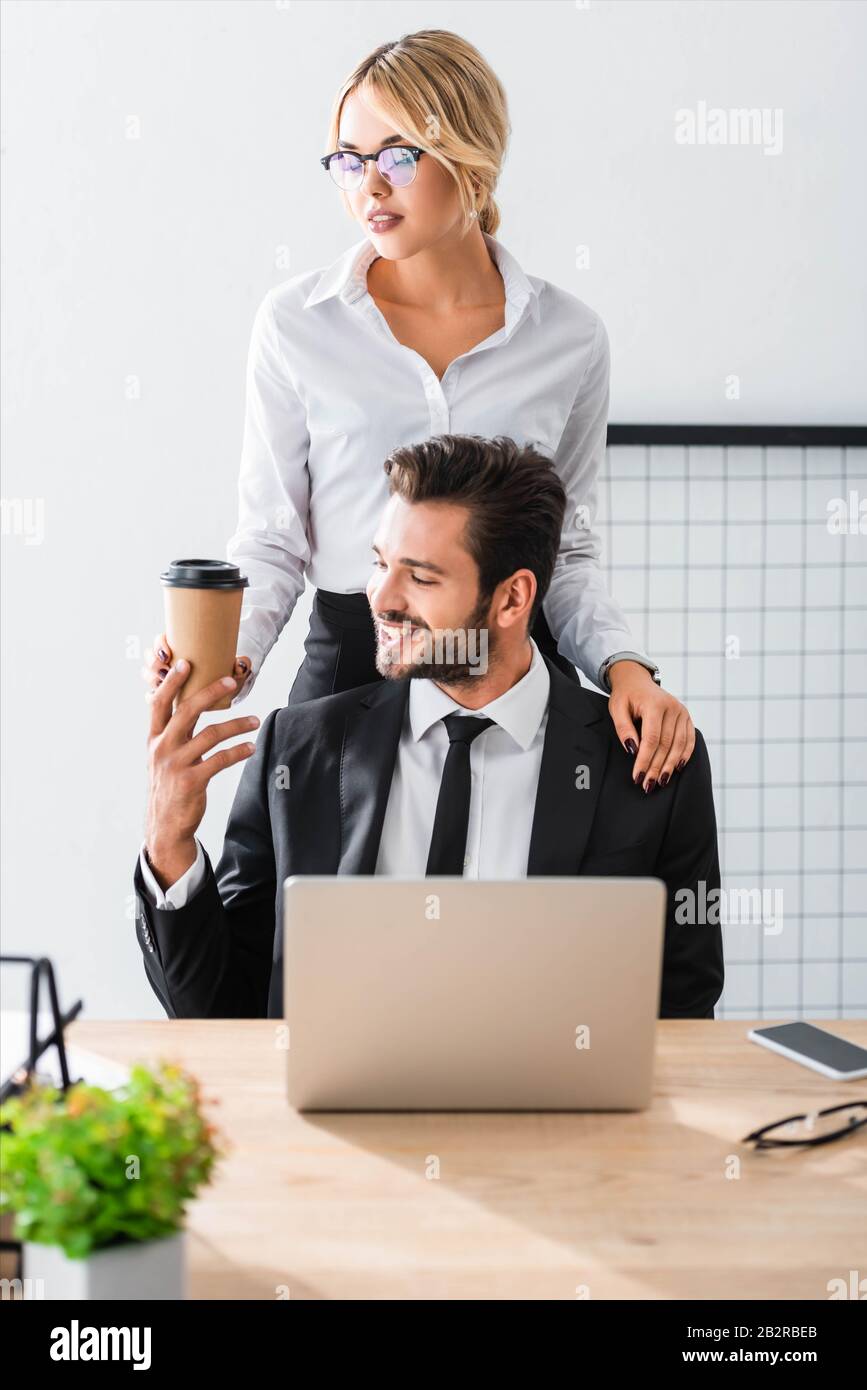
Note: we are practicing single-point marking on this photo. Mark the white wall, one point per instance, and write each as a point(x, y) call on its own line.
point(145, 259)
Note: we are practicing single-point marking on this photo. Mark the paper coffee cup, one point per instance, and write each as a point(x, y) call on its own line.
point(202, 616)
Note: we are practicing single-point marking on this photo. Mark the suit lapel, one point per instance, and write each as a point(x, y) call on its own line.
point(575, 751)
point(367, 758)
point(574, 756)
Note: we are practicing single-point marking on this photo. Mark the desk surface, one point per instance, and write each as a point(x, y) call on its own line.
point(525, 1205)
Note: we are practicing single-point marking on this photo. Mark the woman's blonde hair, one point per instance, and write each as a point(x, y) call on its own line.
point(439, 92)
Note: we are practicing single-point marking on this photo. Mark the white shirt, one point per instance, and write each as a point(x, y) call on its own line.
point(504, 773)
point(330, 392)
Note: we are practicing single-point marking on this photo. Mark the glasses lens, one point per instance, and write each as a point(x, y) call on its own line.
point(397, 165)
point(345, 169)
point(819, 1126)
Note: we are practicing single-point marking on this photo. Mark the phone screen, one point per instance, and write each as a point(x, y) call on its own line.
point(823, 1047)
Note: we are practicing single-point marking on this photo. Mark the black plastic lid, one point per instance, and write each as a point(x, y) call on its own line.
point(203, 574)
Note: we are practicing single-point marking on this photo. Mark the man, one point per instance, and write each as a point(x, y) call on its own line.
point(474, 755)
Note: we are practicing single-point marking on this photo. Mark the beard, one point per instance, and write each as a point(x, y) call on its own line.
point(454, 656)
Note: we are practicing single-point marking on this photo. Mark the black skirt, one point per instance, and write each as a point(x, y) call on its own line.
point(340, 647)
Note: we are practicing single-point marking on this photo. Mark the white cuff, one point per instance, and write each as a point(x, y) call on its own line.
point(244, 691)
point(247, 687)
point(179, 893)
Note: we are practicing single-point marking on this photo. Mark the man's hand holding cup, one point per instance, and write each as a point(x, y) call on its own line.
point(178, 772)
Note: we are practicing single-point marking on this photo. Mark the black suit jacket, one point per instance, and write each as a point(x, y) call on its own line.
point(221, 956)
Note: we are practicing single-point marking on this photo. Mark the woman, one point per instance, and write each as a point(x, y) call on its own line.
point(427, 326)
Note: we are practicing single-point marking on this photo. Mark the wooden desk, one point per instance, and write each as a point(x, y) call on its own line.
point(635, 1206)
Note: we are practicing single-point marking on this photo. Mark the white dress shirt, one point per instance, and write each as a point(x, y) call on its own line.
point(504, 774)
point(330, 392)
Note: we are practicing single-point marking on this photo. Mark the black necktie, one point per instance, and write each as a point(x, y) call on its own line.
point(448, 843)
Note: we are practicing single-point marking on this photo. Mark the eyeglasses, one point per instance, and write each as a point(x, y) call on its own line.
point(815, 1128)
point(396, 163)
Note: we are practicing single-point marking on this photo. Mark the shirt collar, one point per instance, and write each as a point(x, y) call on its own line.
point(518, 710)
point(346, 278)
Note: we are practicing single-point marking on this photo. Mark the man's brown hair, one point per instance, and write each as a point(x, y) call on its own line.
point(515, 498)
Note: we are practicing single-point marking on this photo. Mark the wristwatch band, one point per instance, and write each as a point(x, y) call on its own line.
point(626, 656)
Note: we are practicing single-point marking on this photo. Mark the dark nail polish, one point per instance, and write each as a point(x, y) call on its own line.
point(648, 786)
point(242, 665)
point(163, 656)
point(631, 746)
point(164, 670)
point(664, 779)
point(680, 765)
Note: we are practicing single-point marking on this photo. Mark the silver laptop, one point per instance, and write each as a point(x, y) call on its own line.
point(471, 994)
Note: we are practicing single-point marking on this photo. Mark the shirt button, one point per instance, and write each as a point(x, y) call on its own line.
point(467, 861)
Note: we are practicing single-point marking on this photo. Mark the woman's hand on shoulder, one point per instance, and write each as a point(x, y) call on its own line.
point(667, 737)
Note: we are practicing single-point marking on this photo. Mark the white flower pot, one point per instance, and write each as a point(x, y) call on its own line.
point(137, 1269)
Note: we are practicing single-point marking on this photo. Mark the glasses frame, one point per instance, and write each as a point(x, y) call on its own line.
point(757, 1136)
point(414, 150)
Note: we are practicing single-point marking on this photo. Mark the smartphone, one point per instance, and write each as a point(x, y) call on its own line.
point(816, 1048)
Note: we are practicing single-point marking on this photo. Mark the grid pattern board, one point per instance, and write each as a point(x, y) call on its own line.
point(743, 573)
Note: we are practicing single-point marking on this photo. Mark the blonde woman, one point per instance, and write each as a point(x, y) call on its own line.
point(426, 326)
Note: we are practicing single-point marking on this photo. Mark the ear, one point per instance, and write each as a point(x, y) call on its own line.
point(519, 592)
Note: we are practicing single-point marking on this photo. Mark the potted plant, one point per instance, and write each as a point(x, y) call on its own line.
point(98, 1181)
